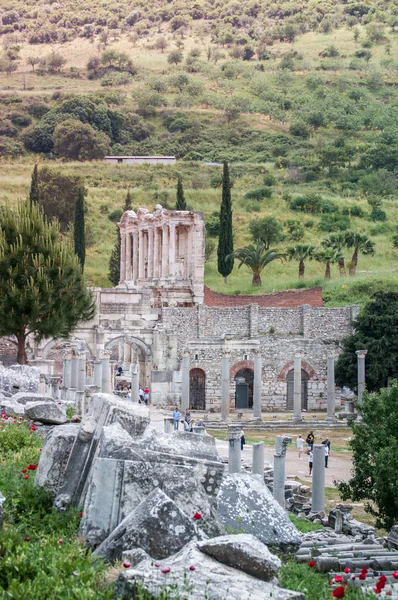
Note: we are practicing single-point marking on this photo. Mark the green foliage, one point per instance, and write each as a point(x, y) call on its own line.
point(210, 246)
point(34, 194)
point(114, 261)
point(79, 141)
point(301, 253)
point(259, 194)
point(374, 442)
point(267, 230)
point(256, 258)
point(115, 215)
point(225, 241)
point(334, 222)
point(57, 194)
point(213, 226)
point(181, 203)
point(42, 290)
point(79, 234)
point(303, 525)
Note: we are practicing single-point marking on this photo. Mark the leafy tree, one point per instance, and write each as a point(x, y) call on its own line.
point(361, 244)
point(79, 229)
point(210, 247)
point(34, 194)
point(267, 230)
point(79, 141)
point(161, 44)
point(32, 61)
point(337, 241)
point(375, 330)
point(225, 241)
point(175, 57)
point(327, 256)
point(180, 204)
point(374, 445)
point(127, 202)
point(57, 193)
point(300, 253)
point(55, 62)
point(42, 290)
point(256, 258)
point(114, 261)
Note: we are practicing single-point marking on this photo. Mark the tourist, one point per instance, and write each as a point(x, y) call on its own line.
point(187, 427)
point(326, 456)
point(310, 440)
point(326, 442)
point(140, 395)
point(146, 396)
point(128, 395)
point(187, 416)
point(310, 461)
point(176, 417)
point(119, 371)
point(300, 445)
point(201, 424)
point(242, 439)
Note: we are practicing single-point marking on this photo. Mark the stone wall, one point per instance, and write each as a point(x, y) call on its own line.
point(289, 298)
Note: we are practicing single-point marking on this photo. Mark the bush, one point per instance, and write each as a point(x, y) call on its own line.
point(38, 109)
point(354, 211)
point(378, 215)
point(310, 203)
point(334, 222)
point(269, 180)
point(300, 129)
point(253, 206)
point(259, 194)
point(213, 226)
point(21, 119)
point(115, 215)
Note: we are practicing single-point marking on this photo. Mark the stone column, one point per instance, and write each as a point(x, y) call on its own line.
point(54, 383)
point(126, 356)
point(281, 443)
point(258, 459)
point(331, 392)
point(74, 371)
point(225, 386)
point(135, 255)
point(234, 451)
point(361, 373)
point(257, 386)
point(165, 251)
point(67, 372)
point(168, 425)
point(150, 253)
point(318, 479)
point(42, 384)
point(297, 388)
point(128, 256)
point(155, 253)
point(141, 255)
point(106, 386)
point(81, 380)
point(172, 249)
point(122, 256)
point(185, 383)
point(135, 383)
point(89, 393)
point(98, 374)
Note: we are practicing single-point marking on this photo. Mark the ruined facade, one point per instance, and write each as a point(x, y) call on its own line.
point(157, 314)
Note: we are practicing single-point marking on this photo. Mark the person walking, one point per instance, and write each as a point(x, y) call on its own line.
point(242, 439)
point(310, 461)
point(146, 396)
point(326, 456)
point(187, 416)
point(310, 440)
point(300, 446)
point(140, 395)
point(176, 418)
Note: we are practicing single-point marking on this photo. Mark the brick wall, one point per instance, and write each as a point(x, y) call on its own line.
point(287, 299)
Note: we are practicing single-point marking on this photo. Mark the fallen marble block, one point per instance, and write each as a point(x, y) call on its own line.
point(46, 412)
point(25, 397)
point(11, 408)
point(157, 526)
point(54, 456)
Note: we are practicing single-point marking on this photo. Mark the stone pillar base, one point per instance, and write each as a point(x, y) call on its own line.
point(331, 420)
point(297, 419)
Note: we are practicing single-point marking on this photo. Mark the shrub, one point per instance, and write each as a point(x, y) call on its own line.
point(309, 224)
point(300, 129)
point(254, 206)
point(269, 179)
point(354, 211)
point(104, 208)
point(21, 119)
point(213, 226)
point(378, 215)
point(310, 203)
point(115, 215)
point(259, 194)
point(334, 222)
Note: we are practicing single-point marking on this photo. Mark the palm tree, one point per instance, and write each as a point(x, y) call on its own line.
point(327, 256)
point(362, 244)
point(256, 258)
point(337, 241)
point(300, 252)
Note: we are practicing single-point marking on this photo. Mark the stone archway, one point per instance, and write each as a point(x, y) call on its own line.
point(81, 345)
point(290, 390)
point(197, 389)
point(127, 349)
point(248, 375)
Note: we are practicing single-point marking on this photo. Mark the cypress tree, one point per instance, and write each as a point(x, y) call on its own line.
point(127, 202)
point(180, 204)
point(34, 187)
point(225, 240)
point(114, 261)
point(79, 233)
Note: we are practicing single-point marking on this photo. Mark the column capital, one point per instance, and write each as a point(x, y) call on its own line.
point(256, 352)
point(106, 354)
point(225, 353)
point(298, 354)
point(186, 353)
point(361, 353)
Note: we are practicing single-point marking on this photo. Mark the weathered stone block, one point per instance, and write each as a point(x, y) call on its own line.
point(54, 457)
point(25, 397)
point(46, 412)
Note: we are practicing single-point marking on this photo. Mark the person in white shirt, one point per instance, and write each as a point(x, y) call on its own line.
point(300, 446)
point(326, 456)
point(310, 461)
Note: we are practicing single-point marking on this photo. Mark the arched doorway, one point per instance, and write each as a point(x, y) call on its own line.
point(290, 390)
point(245, 399)
point(197, 389)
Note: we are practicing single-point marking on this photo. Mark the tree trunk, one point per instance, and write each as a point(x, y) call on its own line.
point(226, 279)
point(301, 269)
point(21, 354)
point(327, 271)
point(354, 262)
point(256, 279)
point(342, 267)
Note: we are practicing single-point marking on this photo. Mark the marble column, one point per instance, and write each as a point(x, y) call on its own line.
point(122, 256)
point(67, 372)
point(331, 391)
point(281, 443)
point(185, 383)
point(135, 256)
point(258, 459)
point(150, 253)
point(126, 356)
point(225, 386)
point(120, 354)
point(54, 382)
point(168, 424)
point(361, 373)
point(98, 374)
point(141, 255)
point(128, 256)
point(155, 253)
point(172, 250)
point(81, 380)
point(135, 383)
point(165, 251)
point(318, 479)
point(297, 388)
point(257, 387)
point(74, 371)
point(106, 385)
point(234, 450)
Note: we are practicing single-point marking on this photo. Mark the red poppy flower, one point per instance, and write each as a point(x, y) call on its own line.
point(26, 476)
point(26, 539)
point(80, 514)
point(157, 565)
point(383, 579)
point(126, 564)
point(197, 516)
point(347, 570)
point(364, 570)
point(24, 470)
point(339, 579)
point(339, 592)
point(362, 576)
point(395, 574)
point(32, 467)
point(311, 564)
point(60, 541)
point(192, 568)
point(33, 428)
point(165, 570)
